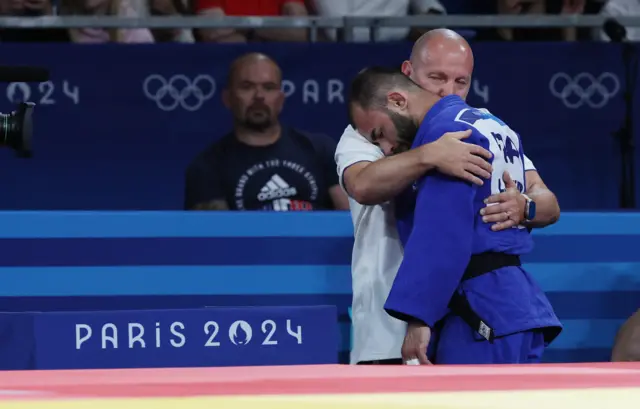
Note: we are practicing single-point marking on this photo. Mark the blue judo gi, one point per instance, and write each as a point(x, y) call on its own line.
point(440, 225)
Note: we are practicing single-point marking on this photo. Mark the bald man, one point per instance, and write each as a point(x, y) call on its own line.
point(262, 164)
point(441, 62)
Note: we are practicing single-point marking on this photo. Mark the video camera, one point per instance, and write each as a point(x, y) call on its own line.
point(16, 128)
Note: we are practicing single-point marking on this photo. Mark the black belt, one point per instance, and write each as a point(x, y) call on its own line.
point(392, 361)
point(478, 265)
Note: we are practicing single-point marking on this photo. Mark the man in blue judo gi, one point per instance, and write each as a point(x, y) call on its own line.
point(457, 274)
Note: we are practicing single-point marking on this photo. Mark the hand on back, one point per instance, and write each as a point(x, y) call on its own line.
point(454, 157)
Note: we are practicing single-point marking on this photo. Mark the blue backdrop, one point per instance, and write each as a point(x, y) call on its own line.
point(104, 142)
point(588, 263)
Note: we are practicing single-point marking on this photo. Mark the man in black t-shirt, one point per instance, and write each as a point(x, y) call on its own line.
point(263, 165)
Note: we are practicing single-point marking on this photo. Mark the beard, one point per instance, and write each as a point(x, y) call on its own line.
point(406, 129)
point(258, 117)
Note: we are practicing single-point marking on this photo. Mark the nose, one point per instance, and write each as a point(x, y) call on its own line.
point(259, 94)
point(386, 148)
point(447, 89)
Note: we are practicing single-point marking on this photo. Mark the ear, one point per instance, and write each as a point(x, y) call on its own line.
point(281, 96)
point(407, 69)
point(226, 98)
point(280, 101)
point(398, 101)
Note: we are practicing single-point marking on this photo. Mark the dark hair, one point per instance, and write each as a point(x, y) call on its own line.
point(370, 87)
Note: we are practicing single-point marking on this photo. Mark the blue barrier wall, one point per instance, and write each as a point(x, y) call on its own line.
point(104, 141)
point(588, 263)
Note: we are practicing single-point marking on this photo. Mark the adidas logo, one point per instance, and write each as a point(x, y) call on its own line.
point(276, 188)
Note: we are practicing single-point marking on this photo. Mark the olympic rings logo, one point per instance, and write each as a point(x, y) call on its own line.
point(584, 89)
point(179, 90)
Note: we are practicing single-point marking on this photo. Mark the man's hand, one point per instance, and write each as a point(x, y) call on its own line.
point(416, 342)
point(505, 209)
point(453, 157)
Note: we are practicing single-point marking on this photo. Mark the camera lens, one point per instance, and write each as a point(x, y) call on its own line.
point(16, 129)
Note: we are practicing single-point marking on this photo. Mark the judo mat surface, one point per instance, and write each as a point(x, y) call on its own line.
point(585, 386)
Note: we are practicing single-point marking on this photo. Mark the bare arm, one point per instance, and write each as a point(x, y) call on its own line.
point(547, 207)
point(219, 204)
point(507, 209)
point(291, 9)
point(371, 183)
point(339, 198)
point(220, 35)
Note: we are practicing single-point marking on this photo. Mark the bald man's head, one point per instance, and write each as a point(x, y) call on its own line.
point(442, 62)
point(252, 59)
point(438, 41)
point(254, 91)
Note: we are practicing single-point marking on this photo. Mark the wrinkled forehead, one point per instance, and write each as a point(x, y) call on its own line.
point(453, 63)
point(368, 122)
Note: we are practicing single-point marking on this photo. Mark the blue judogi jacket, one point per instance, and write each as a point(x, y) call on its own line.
point(440, 225)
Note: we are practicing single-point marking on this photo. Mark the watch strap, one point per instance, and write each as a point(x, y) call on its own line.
point(526, 207)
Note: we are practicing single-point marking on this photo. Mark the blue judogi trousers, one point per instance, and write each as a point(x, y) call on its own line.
point(457, 343)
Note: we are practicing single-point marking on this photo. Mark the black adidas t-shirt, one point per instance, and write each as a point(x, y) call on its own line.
point(295, 173)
